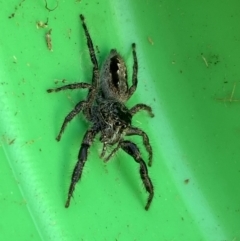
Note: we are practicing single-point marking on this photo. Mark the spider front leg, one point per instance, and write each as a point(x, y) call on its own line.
point(136, 131)
point(82, 157)
point(132, 149)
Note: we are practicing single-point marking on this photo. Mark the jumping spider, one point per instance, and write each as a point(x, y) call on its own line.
point(104, 107)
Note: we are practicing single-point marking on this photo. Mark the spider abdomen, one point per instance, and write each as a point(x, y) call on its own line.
point(113, 77)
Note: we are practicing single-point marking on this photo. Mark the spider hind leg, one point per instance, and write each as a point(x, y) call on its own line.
point(89, 43)
point(135, 72)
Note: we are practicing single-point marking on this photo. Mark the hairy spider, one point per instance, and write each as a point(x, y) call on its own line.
point(104, 107)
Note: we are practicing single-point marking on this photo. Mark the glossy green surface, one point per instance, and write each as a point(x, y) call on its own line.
point(188, 56)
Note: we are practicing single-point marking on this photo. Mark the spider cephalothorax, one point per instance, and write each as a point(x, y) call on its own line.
point(104, 108)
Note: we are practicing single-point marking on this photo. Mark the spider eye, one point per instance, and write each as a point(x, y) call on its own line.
point(118, 123)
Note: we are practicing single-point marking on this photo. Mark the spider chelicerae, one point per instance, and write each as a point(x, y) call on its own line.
point(104, 108)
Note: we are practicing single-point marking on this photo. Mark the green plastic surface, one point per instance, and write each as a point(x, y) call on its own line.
point(188, 54)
